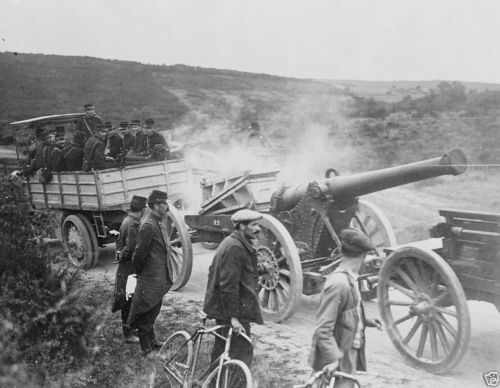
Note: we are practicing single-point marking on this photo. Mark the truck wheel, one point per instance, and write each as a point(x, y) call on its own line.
point(80, 241)
point(281, 283)
point(424, 309)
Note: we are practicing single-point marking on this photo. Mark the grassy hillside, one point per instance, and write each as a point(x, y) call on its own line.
point(354, 125)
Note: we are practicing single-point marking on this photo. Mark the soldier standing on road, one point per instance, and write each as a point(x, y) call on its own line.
point(125, 247)
point(231, 297)
point(339, 341)
point(87, 124)
point(153, 266)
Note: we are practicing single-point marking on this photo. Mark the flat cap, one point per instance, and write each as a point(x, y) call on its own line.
point(150, 121)
point(88, 106)
point(355, 241)
point(101, 127)
point(108, 124)
point(137, 203)
point(157, 196)
point(245, 215)
point(123, 124)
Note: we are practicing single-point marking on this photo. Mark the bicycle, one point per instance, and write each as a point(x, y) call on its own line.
point(321, 380)
point(178, 359)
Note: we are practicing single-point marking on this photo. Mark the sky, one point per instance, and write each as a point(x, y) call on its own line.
point(321, 39)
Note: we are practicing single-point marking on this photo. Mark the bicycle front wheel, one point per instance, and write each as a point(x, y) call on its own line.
point(233, 374)
point(173, 361)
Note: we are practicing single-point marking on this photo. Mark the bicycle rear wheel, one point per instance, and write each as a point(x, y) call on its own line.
point(234, 374)
point(173, 361)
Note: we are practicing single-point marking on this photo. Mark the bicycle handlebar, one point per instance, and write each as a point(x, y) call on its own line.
point(320, 374)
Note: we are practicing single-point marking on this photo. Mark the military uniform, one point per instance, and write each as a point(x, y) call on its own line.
point(72, 158)
point(115, 145)
point(153, 266)
point(93, 153)
point(156, 139)
point(128, 142)
point(87, 127)
point(140, 144)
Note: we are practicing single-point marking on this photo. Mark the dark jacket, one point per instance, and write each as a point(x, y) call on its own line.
point(115, 145)
point(72, 158)
point(86, 127)
point(337, 322)
point(126, 242)
point(232, 289)
point(140, 144)
point(152, 265)
point(44, 156)
point(128, 142)
point(93, 153)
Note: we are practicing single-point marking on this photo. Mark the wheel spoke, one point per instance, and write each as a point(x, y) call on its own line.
point(265, 297)
point(404, 277)
point(446, 311)
point(404, 290)
point(442, 320)
point(405, 318)
point(399, 303)
point(440, 297)
point(415, 274)
point(285, 286)
point(273, 302)
point(281, 297)
point(434, 348)
point(442, 337)
point(374, 232)
point(423, 339)
point(412, 332)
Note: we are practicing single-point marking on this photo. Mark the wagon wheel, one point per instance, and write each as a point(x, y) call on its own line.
point(281, 283)
point(80, 241)
point(181, 251)
point(371, 219)
point(424, 309)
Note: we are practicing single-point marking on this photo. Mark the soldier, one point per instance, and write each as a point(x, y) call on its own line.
point(140, 144)
point(87, 124)
point(231, 297)
point(115, 141)
point(156, 145)
point(153, 266)
point(339, 341)
point(72, 154)
point(125, 247)
point(93, 152)
point(128, 136)
point(44, 156)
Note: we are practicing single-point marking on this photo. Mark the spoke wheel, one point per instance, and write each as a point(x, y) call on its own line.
point(280, 286)
point(181, 250)
point(80, 241)
point(424, 309)
point(373, 222)
point(173, 361)
point(233, 374)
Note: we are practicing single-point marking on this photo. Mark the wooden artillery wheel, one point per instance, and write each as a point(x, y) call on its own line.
point(372, 220)
point(181, 250)
point(80, 241)
point(424, 309)
point(281, 283)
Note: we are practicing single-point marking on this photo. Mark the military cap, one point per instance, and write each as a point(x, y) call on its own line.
point(245, 215)
point(135, 122)
point(88, 106)
point(157, 196)
point(355, 241)
point(138, 203)
point(101, 127)
point(123, 124)
point(150, 121)
point(108, 124)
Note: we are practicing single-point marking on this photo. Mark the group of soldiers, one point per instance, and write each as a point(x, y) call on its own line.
point(231, 296)
point(96, 145)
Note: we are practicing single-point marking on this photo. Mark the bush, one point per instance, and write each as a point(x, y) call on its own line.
point(44, 323)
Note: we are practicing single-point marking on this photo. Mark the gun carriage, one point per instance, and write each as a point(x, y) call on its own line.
point(299, 239)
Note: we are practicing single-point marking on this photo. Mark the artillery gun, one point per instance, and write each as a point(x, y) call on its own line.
point(299, 238)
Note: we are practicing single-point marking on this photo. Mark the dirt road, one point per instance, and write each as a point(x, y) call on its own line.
point(416, 210)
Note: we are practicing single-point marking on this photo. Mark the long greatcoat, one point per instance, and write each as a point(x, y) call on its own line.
point(126, 242)
point(337, 322)
point(232, 289)
point(86, 127)
point(152, 265)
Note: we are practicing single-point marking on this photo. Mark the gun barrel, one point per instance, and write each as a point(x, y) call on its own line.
point(452, 163)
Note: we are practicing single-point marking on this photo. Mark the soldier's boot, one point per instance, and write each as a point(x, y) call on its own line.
point(155, 345)
point(147, 350)
point(128, 335)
